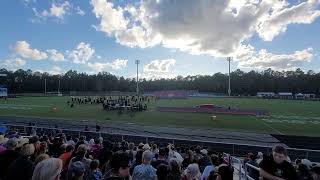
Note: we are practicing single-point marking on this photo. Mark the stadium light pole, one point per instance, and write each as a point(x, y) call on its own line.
point(229, 89)
point(45, 86)
point(59, 87)
point(137, 63)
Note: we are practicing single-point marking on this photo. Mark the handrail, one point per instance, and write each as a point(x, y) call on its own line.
point(253, 167)
point(242, 171)
point(181, 139)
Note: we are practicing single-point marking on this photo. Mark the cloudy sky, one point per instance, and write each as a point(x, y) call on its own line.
point(169, 37)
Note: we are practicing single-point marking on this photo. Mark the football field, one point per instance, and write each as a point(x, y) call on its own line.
point(290, 117)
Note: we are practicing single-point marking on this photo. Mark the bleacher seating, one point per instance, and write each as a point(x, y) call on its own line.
point(97, 144)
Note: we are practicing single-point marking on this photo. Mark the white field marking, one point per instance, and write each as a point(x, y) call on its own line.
point(315, 122)
point(294, 117)
point(23, 105)
point(277, 131)
point(13, 107)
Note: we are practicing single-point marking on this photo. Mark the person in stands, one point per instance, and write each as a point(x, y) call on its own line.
point(76, 171)
point(252, 172)
point(95, 148)
point(22, 168)
point(70, 141)
point(276, 166)
point(120, 167)
point(48, 169)
point(315, 172)
point(8, 156)
point(95, 173)
point(214, 163)
point(145, 171)
point(65, 157)
point(161, 159)
point(81, 156)
point(162, 172)
point(192, 172)
point(174, 170)
point(40, 158)
point(224, 172)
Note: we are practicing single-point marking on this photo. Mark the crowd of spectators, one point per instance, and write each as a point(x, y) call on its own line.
point(55, 155)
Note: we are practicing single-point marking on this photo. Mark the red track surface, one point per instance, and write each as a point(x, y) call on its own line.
point(213, 110)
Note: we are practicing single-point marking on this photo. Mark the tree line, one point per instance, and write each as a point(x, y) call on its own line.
point(242, 83)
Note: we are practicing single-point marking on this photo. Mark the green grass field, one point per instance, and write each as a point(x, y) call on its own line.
point(287, 117)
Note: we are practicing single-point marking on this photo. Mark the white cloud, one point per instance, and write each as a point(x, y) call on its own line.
point(56, 10)
point(55, 70)
point(81, 54)
point(23, 49)
point(159, 69)
point(161, 66)
point(55, 55)
point(247, 57)
point(216, 28)
point(303, 13)
point(97, 67)
point(79, 11)
point(116, 64)
point(112, 19)
point(13, 63)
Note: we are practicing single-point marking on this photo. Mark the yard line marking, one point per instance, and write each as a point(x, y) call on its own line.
point(270, 127)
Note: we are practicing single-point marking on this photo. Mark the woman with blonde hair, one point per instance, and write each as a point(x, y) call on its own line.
point(48, 169)
point(40, 158)
point(192, 172)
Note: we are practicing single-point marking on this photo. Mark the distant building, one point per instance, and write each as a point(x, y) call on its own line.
point(299, 96)
point(304, 96)
point(309, 96)
point(3, 92)
point(285, 95)
point(266, 94)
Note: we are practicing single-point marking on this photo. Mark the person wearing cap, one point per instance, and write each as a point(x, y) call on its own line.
point(145, 171)
point(22, 168)
point(192, 172)
point(161, 159)
point(8, 156)
point(275, 166)
point(146, 147)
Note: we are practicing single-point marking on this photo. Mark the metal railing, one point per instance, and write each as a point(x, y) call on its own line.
point(242, 172)
point(235, 149)
point(237, 163)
